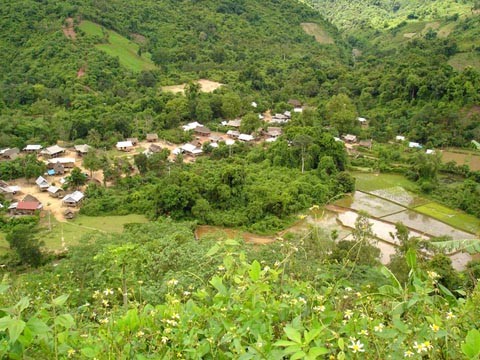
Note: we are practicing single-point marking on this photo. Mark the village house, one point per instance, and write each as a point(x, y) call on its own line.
point(430, 152)
point(202, 131)
point(191, 149)
point(8, 191)
point(280, 119)
point(152, 137)
point(233, 134)
point(9, 154)
point(246, 138)
point(191, 126)
point(74, 199)
point(124, 145)
point(67, 163)
point(30, 198)
point(55, 192)
point(53, 151)
point(350, 138)
point(297, 105)
point(235, 123)
point(133, 140)
point(399, 138)
point(414, 145)
point(82, 149)
point(363, 122)
point(58, 169)
point(69, 214)
point(215, 138)
point(25, 208)
point(274, 132)
point(42, 183)
point(153, 149)
point(366, 143)
point(32, 148)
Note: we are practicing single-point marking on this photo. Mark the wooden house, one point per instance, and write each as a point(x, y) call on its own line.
point(74, 199)
point(55, 192)
point(202, 131)
point(152, 137)
point(53, 151)
point(82, 149)
point(133, 140)
point(32, 148)
point(124, 145)
point(10, 153)
point(69, 214)
point(42, 183)
point(25, 208)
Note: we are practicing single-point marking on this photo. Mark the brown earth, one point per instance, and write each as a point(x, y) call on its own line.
point(205, 86)
point(68, 29)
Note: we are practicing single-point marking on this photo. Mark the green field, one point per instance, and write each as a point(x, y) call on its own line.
point(119, 46)
point(373, 181)
point(455, 218)
point(461, 60)
point(73, 230)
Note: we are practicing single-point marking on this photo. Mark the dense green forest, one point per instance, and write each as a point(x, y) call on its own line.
point(57, 88)
point(98, 72)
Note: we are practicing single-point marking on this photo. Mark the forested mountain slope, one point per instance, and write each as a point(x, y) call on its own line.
point(51, 82)
point(351, 14)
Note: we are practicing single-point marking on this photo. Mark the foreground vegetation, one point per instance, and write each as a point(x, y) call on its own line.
point(156, 292)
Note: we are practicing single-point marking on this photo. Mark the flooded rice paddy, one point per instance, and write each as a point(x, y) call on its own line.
point(385, 207)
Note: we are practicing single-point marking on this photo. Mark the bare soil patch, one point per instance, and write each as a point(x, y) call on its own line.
point(69, 30)
point(81, 72)
point(321, 36)
point(205, 86)
point(138, 38)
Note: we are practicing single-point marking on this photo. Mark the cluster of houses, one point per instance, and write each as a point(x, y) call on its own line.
point(57, 164)
point(30, 205)
point(413, 145)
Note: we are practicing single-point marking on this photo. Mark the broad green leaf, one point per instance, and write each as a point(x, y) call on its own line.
point(65, 320)
point(254, 271)
point(317, 351)
point(471, 347)
point(341, 344)
point(284, 343)
point(231, 242)
point(213, 250)
point(411, 257)
point(59, 301)
point(15, 328)
point(23, 304)
point(388, 274)
point(217, 283)
point(37, 326)
point(4, 288)
point(89, 352)
point(310, 335)
point(4, 321)
point(293, 334)
point(298, 355)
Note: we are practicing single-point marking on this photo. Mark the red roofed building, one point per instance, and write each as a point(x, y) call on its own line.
point(27, 207)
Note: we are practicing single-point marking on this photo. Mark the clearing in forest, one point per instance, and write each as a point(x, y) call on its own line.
point(462, 60)
point(68, 29)
point(321, 36)
point(207, 86)
point(116, 45)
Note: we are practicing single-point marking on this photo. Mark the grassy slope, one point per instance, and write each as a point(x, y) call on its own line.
point(74, 230)
point(119, 46)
